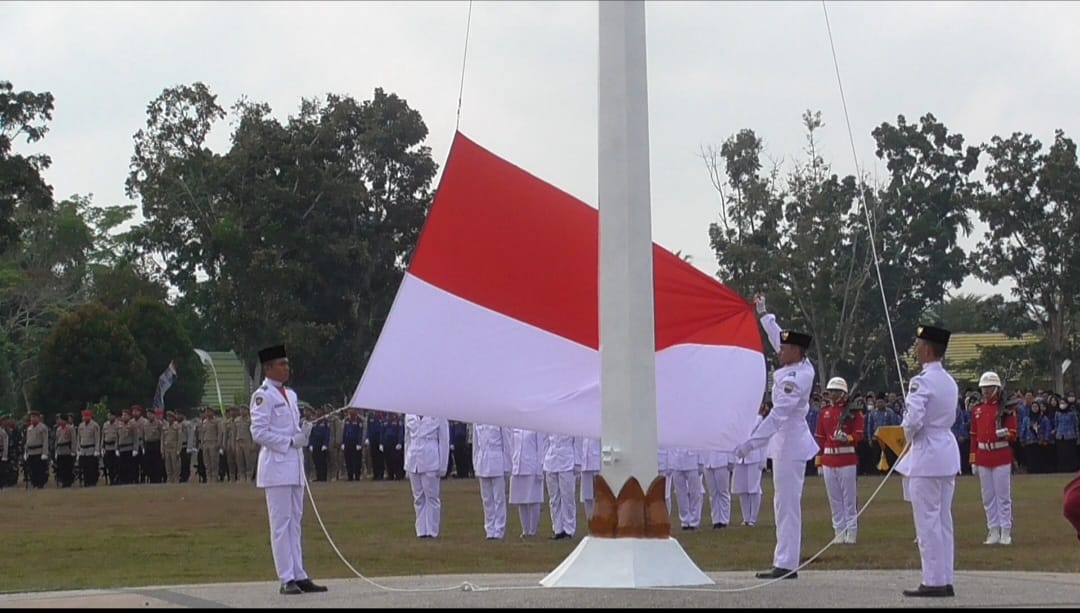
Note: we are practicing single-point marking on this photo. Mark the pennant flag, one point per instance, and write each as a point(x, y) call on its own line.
point(497, 321)
point(165, 381)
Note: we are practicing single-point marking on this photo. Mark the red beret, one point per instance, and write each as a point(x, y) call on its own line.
point(87, 413)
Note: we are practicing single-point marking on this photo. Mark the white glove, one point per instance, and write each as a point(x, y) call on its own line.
point(193, 451)
point(398, 446)
point(45, 457)
point(324, 447)
point(134, 453)
point(220, 451)
point(25, 456)
point(358, 447)
point(840, 437)
point(367, 442)
point(298, 441)
point(742, 450)
point(759, 304)
point(1002, 432)
point(451, 447)
point(381, 448)
point(97, 454)
point(343, 447)
point(78, 454)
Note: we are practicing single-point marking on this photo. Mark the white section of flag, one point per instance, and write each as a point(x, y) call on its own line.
point(439, 354)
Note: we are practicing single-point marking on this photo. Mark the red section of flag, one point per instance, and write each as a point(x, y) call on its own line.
point(505, 240)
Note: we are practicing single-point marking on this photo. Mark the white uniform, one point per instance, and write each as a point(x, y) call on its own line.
point(427, 456)
point(590, 467)
point(527, 477)
point(716, 468)
point(931, 466)
point(685, 465)
point(492, 460)
point(790, 445)
point(746, 482)
point(275, 427)
point(663, 468)
point(561, 461)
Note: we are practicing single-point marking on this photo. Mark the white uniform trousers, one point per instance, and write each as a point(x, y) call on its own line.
point(285, 508)
point(931, 504)
point(426, 502)
point(840, 485)
point(746, 482)
point(690, 494)
point(718, 482)
point(561, 501)
point(493, 495)
point(667, 490)
point(788, 478)
point(527, 492)
point(587, 495)
point(996, 485)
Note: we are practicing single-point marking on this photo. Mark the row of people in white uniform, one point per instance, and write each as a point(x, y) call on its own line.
point(530, 460)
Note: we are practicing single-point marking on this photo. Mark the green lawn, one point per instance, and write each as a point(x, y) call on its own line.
point(169, 534)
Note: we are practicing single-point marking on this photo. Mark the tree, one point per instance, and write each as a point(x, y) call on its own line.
point(972, 313)
point(22, 188)
point(162, 340)
point(1032, 210)
point(299, 233)
point(88, 357)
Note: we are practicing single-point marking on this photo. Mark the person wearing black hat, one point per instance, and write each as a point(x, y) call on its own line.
point(787, 434)
point(932, 461)
point(275, 425)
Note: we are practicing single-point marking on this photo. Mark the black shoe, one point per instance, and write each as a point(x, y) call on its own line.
point(931, 591)
point(719, 525)
point(290, 588)
point(426, 536)
point(777, 573)
point(307, 585)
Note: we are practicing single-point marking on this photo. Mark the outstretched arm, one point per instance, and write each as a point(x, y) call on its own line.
point(768, 322)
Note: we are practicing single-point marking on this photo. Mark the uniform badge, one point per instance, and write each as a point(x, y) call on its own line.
point(914, 387)
point(791, 374)
point(788, 388)
point(258, 400)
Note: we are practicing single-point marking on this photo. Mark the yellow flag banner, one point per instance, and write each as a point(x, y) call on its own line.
point(892, 438)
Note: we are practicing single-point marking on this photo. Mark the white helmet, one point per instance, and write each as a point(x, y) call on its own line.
point(989, 379)
point(837, 383)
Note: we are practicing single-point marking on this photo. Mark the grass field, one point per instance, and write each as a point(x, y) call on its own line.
point(191, 533)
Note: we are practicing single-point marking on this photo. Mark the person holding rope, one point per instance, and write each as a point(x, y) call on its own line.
point(275, 425)
point(787, 433)
point(932, 462)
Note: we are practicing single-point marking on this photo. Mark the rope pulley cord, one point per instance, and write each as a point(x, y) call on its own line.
point(471, 587)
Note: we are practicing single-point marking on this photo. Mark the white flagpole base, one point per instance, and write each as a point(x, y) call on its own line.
point(626, 562)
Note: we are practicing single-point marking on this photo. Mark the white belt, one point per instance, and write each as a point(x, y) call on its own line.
point(993, 446)
point(838, 450)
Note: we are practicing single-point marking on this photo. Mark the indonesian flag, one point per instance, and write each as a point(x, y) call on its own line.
point(496, 321)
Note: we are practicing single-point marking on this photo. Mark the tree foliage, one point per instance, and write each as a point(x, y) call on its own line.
point(1032, 210)
point(299, 233)
point(22, 187)
point(162, 340)
point(89, 356)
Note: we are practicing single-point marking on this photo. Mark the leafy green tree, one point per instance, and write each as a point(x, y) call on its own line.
point(1032, 210)
point(89, 356)
point(298, 234)
point(22, 186)
point(162, 340)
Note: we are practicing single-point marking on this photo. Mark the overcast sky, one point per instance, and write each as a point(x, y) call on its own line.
point(530, 84)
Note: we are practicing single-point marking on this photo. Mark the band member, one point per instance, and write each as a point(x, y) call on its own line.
point(839, 430)
point(993, 428)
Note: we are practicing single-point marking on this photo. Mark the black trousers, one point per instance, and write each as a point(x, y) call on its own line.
point(128, 467)
point(38, 471)
point(88, 466)
point(200, 467)
point(111, 462)
point(462, 458)
point(65, 470)
point(395, 463)
point(185, 465)
point(1066, 455)
point(320, 458)
point(151, 461)
point(378, 463)
point(353, 462)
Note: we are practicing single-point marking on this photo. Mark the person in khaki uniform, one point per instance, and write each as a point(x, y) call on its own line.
point(137, 423)
point(127, 452)
point(36, 451)
point(170, 448)
point(244, 445)
point(337, 428)
point(210, 443)
point(65, 451)
point(110, 456)
point(230, 445)
point(152, 461)
point(88, 448)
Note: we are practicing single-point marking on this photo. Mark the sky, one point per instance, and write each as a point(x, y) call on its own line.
point(529, 92)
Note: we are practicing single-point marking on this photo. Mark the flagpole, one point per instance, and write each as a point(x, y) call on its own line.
point(632, 544)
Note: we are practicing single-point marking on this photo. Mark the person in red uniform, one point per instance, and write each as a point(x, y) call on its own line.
point(838, 432)
point(1071, 504)
point(992, 428)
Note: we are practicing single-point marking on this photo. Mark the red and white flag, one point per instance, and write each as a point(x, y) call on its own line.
point(496, 320)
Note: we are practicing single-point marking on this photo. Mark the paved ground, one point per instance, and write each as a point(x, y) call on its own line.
point(811, 589)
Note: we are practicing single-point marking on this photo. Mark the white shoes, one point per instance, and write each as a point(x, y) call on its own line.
point(1006, 537)
point(994, 537)
point(849, 536)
